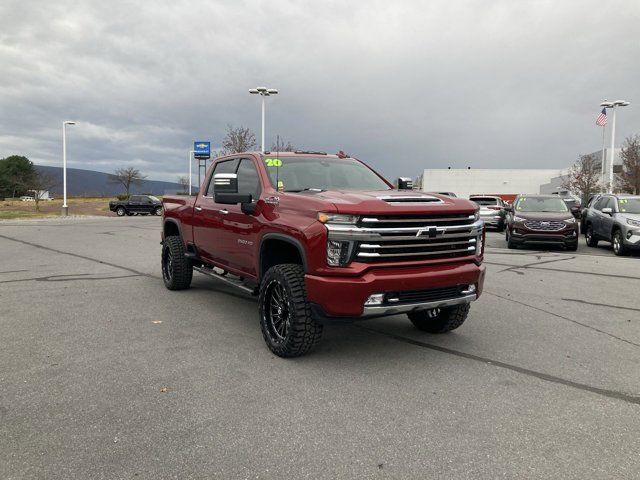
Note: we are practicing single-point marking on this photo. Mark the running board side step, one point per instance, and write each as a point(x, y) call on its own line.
point(211, 272)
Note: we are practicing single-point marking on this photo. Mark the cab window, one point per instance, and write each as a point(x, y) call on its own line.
point(248, 180)
point(225, 166)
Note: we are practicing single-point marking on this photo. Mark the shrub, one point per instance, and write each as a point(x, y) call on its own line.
point(122, 197)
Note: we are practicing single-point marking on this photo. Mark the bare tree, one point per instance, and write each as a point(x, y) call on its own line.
point(39, 183)
point(282, 146)
point(184, 183)
point(127, 177)
point(630, 155)
point(583, 177)
point(237, 140)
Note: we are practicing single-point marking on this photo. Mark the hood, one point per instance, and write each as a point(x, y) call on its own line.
point(630, 216)
point(544, 215)
point(389, 202)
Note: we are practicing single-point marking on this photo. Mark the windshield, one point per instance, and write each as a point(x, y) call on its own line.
point(629, 205)
point(296, 174)
point(154, 199)
point(540, 204)
point(484, 201)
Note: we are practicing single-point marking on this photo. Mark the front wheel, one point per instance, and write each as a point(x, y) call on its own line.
point(618, 244)
point(177, 270)
point(120, 211)
point(285, 314)
point(440, 320)
point(158, 211)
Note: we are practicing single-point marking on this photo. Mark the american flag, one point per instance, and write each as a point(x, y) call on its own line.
point(602, 118)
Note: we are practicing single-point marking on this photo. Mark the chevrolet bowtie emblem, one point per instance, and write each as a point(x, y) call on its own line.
point(431, 232)
point(201, 145)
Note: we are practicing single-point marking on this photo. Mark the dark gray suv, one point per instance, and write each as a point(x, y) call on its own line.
point(615, 219)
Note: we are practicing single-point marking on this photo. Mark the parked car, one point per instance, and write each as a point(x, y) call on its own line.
point(492, 210)
point(27, 198)
point(535, 219)
point(324, 239)
point(137, 205)
point(615, 219)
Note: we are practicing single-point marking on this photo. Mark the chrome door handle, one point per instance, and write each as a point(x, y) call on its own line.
point(198, 209)
point(224, 211)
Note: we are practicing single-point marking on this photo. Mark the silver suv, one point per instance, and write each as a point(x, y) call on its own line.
point(615, 219)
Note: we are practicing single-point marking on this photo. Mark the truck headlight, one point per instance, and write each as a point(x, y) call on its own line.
point(518, 219)
point(338, 252)
point(338, 218)
point(570, 220)
point(635, 223)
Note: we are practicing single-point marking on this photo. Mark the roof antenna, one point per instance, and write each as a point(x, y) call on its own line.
point(277, 165)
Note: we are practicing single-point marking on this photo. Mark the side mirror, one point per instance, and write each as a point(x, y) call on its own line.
point(225, 183)
point(607, 210)
point(405, 183)
point(508, 208)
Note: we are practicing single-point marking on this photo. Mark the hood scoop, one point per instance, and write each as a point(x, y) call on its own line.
point(410, 199)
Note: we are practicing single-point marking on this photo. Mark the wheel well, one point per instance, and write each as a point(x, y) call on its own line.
point(171, 230)
point(276, 252)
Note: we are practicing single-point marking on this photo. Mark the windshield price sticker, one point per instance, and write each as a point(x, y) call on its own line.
point(273, 162)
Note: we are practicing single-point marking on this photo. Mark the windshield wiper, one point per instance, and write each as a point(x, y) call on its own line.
point(309, 189)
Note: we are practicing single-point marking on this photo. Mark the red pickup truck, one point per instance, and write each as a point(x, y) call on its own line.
point(323, 239)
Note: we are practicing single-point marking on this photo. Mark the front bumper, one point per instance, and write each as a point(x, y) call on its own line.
point(492, 220)
point(343, 298)
point(567, 236)
point(631, 236)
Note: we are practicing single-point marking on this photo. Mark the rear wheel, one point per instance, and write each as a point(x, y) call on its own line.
point(617, 242)
point(592, 241)
point(440, 320)
point(120, 211)
point(177, 270)
point(285, 314)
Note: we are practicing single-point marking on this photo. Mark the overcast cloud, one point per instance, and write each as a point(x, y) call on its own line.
point(403, 85)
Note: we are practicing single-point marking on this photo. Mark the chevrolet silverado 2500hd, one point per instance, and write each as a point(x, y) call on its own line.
point(324, 239)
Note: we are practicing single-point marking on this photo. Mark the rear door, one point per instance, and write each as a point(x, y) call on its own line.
point(135, 205)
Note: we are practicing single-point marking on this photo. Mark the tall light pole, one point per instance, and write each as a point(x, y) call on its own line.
point(612, 106)
point(65, 207)
point(191, 152)
point(263, 92)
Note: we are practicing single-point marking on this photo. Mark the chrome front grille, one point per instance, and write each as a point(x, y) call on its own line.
point(543, 226)
point(396, 238)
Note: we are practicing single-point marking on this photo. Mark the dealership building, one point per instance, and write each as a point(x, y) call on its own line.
point(506, 183)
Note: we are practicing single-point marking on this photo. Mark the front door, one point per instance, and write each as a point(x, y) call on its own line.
point(240, 230)
point(208, 228)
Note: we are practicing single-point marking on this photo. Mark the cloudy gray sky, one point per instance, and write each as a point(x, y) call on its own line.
point(404, 85)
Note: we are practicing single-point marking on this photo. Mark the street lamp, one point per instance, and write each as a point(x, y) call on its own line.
point(65, 207)
point(263, 92)
point(613, 105)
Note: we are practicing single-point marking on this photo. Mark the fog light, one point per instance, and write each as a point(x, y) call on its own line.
point(375, 299)
point(470, 289)
point(338, 253)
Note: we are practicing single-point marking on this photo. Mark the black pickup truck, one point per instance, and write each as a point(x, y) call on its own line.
point(137, 204)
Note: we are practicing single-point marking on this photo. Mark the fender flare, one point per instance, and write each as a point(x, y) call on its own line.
point(176, 223)
point(285, 238)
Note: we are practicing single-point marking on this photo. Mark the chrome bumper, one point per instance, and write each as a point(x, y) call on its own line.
point(379, 310)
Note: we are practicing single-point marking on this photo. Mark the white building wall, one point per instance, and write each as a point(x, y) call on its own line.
point(465, 182)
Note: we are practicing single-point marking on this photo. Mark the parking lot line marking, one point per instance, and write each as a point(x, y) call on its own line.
point(564, 318)
point(601, 304)
point(581, 272)
point(625, 397)
point(62, 252)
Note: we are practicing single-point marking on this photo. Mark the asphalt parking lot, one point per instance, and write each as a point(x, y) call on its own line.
point(105, 374)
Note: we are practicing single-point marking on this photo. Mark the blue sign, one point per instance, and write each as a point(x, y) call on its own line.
point(202, 149)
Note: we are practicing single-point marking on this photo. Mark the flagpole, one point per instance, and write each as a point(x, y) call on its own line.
point(602, 162)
